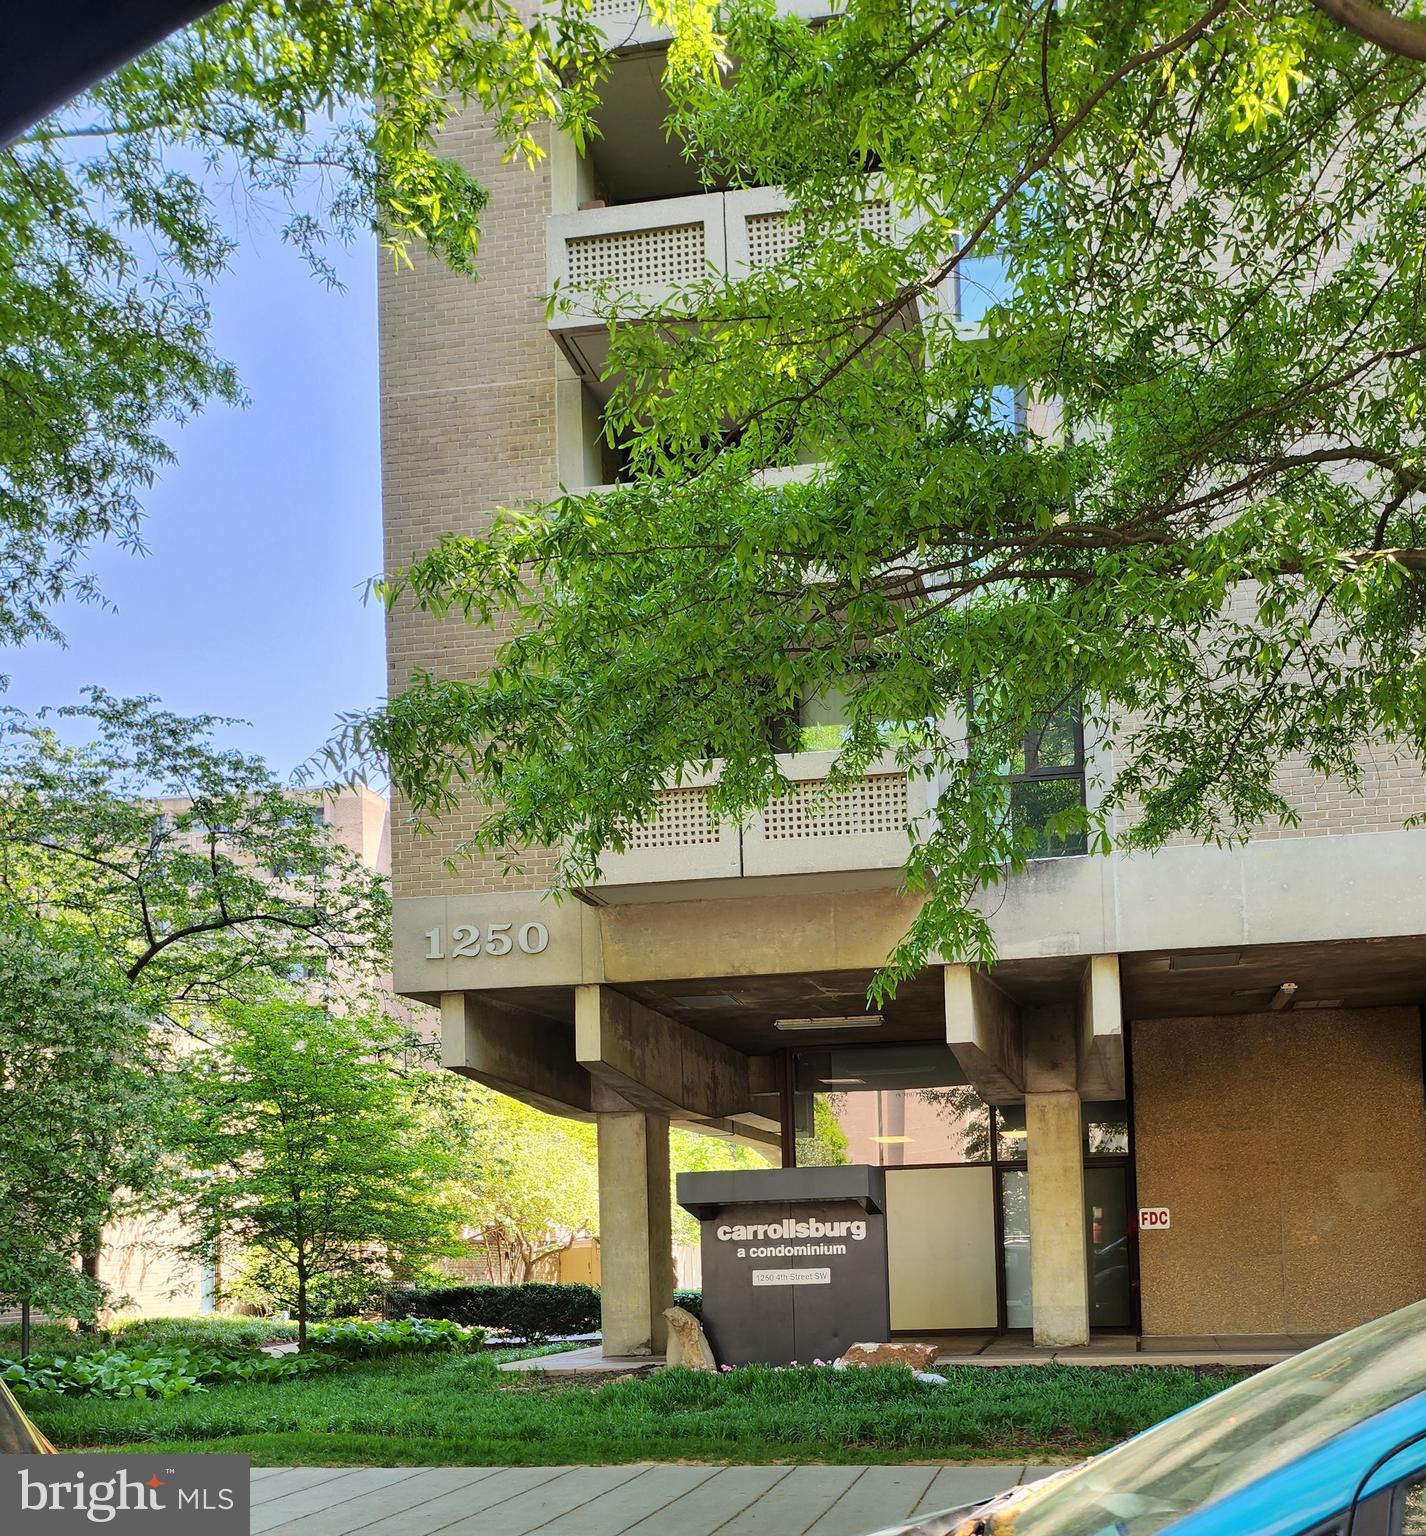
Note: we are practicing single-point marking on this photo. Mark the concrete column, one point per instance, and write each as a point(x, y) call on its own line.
point(635, 1232)
point(1059, 1276)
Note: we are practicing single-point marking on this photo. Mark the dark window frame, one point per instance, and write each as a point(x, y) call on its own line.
point(1035, 772)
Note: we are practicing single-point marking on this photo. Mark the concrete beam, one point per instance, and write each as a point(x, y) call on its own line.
point(654, 1063)
point(983, 1032)
point(530, 1058)
point(746, 1131)
point(1101, 1030)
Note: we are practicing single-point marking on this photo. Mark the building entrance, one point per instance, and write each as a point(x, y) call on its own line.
point(959, 1236)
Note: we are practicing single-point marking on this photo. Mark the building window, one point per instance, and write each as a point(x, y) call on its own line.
point(1046, 780)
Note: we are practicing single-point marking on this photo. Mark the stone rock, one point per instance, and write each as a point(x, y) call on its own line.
point(932, 1379)
point(687, 1344)
point(917, 1356)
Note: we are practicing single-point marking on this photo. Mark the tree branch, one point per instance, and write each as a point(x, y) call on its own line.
point(1393, 34)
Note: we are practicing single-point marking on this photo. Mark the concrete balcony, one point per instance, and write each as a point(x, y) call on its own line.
point(857, 835)
point(640, 259)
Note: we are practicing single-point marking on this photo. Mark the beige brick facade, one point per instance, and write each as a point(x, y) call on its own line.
point(468, 425)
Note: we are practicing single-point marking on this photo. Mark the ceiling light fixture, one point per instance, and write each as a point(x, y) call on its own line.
point(1284, 995)
point(844, 1082)
point(846, 1021)
point(891, 1141)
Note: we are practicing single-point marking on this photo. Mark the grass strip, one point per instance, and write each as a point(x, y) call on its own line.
point(461, 1411)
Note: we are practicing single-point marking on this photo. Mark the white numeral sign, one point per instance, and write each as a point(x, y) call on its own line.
point(467, 941)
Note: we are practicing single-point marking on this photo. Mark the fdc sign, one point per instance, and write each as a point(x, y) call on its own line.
point(1153, 1218)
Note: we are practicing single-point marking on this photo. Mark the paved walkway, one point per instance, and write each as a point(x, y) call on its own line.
point(640, 1500)
point(1014, 1349)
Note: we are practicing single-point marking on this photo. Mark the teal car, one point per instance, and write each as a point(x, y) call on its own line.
point(1329, 1443)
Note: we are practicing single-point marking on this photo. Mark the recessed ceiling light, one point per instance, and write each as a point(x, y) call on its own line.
point(1206, 960)
point(844, 1081)
point(845, 1021)
point(891, 1141)
point(1012, 1134)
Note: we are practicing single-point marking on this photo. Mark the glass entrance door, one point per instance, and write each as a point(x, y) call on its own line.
point(1106, 1220)
point(1015, 1245)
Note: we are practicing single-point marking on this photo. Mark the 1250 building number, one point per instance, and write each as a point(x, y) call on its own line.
point(467, 941)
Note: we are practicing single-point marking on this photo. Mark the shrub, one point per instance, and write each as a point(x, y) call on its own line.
point(271, 1284)
point(149, 1373)
point(211, 1331)
point(533, 1311)
point(406, 1336)
point(51, 1340)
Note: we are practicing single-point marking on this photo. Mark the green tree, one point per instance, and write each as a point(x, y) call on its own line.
point(83, 1100)
point(303, 1138)
point(113, 239)
point(826, 1147)
point(529, 1182)
point(1120, 413)
point(691, 1152)
point(186, 865)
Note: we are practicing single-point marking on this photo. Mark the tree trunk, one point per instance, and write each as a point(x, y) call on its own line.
point(301, 1308)
point(89, 1265)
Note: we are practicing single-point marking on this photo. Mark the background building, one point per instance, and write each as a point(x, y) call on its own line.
point(1228, 1035)
point(138, 1262)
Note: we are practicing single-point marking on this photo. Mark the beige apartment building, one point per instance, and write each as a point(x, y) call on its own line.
point(1227, 1041)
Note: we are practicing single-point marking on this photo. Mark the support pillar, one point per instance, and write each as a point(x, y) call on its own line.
point(635, 1231)
point(1059, 1256)
point(1059, 1274)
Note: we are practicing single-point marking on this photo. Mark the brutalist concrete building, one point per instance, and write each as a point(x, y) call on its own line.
point(1226, 1041)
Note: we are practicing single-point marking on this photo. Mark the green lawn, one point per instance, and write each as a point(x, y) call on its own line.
point(459, 1410)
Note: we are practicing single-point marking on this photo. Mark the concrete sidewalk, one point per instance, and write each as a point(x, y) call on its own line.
point(640, 1500)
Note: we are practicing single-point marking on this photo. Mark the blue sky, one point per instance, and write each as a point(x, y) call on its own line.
point(249, 602)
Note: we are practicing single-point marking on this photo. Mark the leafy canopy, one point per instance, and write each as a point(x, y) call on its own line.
point(304, 1137)
point(113, 233)
point(186, 865)
point(1188, 237)
point(83, 1098)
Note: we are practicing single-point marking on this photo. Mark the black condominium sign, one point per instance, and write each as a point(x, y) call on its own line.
point(794, 1261)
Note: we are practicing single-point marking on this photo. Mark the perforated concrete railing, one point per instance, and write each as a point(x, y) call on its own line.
point(602, 10)
point(683, 820)
point(874, 806)
point(639, 260)
point(770, 236)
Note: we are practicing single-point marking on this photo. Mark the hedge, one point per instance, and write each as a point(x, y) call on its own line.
point(533, 1311)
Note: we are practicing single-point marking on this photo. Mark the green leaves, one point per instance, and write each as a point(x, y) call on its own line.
point(113, 234)
point(189, 867)
point(1165, 462)
point(83, 1099)
point(303, 1137)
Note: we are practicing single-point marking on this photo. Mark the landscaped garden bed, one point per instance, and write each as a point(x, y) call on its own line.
point(453, 1409)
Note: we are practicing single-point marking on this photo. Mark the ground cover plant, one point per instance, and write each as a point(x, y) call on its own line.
point(174, 1361)
point(145, 1374)
point(460, 1410)
point(214, 1331)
